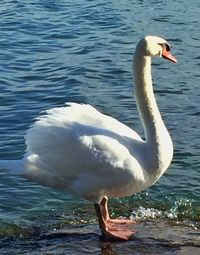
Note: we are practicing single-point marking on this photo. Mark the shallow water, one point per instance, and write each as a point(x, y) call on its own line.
point(84, 239)
point(58, 51)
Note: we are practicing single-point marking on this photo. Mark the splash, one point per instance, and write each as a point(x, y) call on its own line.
point(146, 213)
point(179, 209)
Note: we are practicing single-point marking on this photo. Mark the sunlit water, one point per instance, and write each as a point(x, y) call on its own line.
point(52, 52)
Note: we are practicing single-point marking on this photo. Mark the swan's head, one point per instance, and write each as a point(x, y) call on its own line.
point(156, 46)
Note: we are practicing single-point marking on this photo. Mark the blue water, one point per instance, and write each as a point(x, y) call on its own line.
point(53, 51)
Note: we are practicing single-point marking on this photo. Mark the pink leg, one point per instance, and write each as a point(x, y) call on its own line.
point(116, 229)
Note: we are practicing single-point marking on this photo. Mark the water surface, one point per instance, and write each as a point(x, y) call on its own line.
point(58, 51)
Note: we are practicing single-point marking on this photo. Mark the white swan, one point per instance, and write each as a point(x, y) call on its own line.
point(78, 149)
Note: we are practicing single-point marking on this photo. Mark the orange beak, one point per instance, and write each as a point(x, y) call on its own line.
point(167, 55)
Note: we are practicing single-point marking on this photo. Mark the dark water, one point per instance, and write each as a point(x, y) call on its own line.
point(57, 51)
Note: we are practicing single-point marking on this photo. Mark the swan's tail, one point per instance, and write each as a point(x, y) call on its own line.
point(16, 167)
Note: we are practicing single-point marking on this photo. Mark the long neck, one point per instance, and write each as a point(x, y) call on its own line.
point(158, 141)
point(145, 98)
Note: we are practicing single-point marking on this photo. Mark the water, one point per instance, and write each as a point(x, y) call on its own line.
point(58, 51)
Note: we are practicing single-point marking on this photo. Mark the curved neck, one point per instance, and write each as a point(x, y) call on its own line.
point(158, 142)
point(145, 98)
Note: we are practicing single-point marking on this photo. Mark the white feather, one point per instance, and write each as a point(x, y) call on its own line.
point(77, 148)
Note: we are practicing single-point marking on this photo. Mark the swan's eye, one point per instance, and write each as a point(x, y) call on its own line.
point(165, 46)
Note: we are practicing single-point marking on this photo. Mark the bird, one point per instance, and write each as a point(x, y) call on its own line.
point(76, 148)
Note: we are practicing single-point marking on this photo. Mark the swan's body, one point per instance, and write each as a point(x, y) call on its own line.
point(78, 149)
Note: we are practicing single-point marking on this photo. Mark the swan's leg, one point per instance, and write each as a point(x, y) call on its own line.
point(117, 229)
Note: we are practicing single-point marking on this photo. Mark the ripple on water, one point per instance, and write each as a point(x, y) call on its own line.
point(53, 52)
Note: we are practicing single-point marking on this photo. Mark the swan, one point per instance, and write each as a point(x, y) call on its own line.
point(78, 149)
